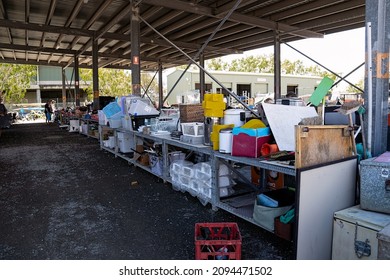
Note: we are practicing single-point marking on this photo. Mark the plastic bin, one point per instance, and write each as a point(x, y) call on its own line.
point(192, 129)
point(156, 164)
point(111, 109)
point(217, 241)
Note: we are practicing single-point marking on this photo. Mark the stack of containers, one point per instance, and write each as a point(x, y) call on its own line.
point(197, 178)
point(213, 106)
point(194, 178)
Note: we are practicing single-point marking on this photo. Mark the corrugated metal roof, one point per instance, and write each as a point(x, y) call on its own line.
point(54, 31)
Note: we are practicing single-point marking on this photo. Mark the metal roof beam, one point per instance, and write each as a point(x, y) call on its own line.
point(241, 18)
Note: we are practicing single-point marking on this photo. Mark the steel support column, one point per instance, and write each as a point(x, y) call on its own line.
point(378, 15)
point(277, 68)
point(135, 50)
point(202, 78)
point(63, 89)
point(95, 74)
point(77, 80)
point(160, 86)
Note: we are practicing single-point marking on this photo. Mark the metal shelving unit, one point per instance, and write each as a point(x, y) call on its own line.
point(215, 158)
point(314, 197)
point(89, 123)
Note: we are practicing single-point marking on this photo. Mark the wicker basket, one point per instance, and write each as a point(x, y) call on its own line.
point(191, 113)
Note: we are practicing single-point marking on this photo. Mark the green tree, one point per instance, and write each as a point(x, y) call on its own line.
point(293, 67)
point(359, 84)
point(265, 64)
point(217, 64)
point(254, 64)
point(15, 79)
point(113, 82)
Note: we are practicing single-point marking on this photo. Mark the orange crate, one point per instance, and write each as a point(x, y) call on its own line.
point(217, 241)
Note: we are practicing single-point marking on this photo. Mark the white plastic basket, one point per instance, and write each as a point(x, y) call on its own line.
point(192, 129)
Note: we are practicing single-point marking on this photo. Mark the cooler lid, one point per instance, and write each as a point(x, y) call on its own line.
point(369, 219)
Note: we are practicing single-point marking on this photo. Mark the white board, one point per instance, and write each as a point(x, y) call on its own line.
point(322, 191)
point(282, 120)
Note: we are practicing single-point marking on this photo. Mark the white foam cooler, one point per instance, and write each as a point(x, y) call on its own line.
point(74, 125)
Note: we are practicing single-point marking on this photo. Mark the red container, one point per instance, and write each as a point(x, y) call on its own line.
point(217, 241)
point(248, 146)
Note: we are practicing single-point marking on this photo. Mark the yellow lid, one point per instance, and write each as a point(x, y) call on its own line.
point(254, 123)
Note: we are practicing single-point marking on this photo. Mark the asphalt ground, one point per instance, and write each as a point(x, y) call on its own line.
point(62, 197)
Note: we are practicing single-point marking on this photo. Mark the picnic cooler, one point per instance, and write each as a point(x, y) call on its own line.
point(247, 142)
point(355, 233)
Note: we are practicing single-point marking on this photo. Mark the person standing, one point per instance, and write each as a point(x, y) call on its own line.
point(53, 109)
point(4, 120)
point(48, 111)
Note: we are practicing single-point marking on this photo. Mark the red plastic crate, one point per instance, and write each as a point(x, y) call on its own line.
point(217, 241)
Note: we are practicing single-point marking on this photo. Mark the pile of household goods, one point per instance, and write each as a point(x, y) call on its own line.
point(370, 221)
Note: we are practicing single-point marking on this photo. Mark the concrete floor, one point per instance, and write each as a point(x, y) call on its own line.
point(61, 197)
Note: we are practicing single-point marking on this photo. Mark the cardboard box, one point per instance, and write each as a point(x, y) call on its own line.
point(283, 230)
point(106, 132)
point(140, 156)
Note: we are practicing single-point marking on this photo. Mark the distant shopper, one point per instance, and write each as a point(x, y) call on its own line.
point(48, 111)
point(4, 120)
point(53, 109)
point(3, 109)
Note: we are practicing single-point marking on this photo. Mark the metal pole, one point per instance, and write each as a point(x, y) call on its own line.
point(135, 50)
point(63, 89)
point(202, 79)
point(277, 68)
point(95, 74)
point(77, 79)
point(160, 86)
point(369, 89)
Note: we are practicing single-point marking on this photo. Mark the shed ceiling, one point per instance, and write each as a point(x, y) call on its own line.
point(53, 32)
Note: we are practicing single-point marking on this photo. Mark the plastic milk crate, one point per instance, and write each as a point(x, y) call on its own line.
point(217, 241)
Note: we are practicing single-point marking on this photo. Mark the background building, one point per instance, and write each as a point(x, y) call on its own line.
point(250, 85)
point(49, 86)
